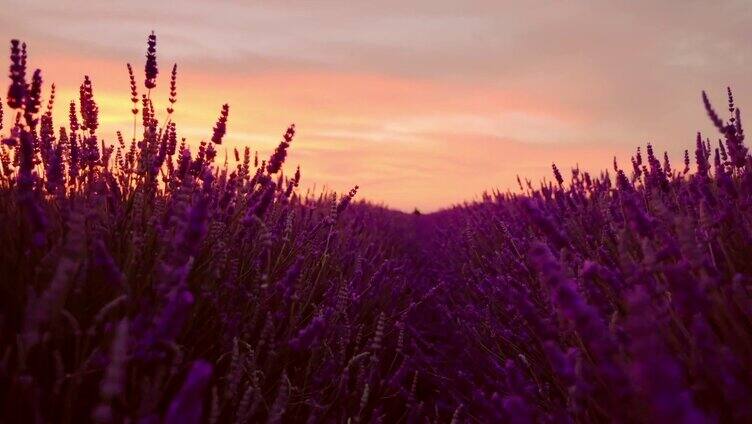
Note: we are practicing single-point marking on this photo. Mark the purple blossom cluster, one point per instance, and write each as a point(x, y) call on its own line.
point(621, 297)
point(145, 281)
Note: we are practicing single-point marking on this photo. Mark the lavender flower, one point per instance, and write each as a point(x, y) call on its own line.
point(346, 199)
point(308, 335)
point(17, 91)
point(114, 380)
point(221, 127)
point(557, 174)
point(134, 90)
point(26, 195)
point(173, 89)
point(89, 108)
point(278, 158)
point(187, 405)
point(33, 99)
point(150, 69)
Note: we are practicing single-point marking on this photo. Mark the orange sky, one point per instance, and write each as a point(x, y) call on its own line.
point(423, 105)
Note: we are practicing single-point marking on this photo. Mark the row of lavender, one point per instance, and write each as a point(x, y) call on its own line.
point(622, 297)
point(143, 281)
point(146, 282)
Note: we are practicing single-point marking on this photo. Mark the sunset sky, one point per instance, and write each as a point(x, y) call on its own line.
point(421, 103)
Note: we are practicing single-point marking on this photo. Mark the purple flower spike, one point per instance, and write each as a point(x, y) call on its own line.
point(17, 90)
point(187, 405)
point(308, 335)
point(150, 69)
point(221, 127)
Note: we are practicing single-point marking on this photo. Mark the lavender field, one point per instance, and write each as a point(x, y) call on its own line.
point(155, 279)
